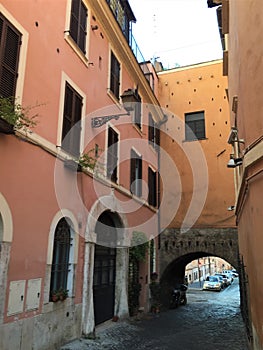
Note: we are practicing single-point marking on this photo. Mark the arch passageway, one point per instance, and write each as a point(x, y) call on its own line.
point(178, 249)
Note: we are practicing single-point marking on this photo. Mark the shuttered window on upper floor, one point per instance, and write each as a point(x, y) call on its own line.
point(78, 24)
point(115, 76)
point(10, 41)
point(136, 174)
point(71, 121)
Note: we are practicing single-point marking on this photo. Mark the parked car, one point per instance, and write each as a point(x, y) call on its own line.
point(212, 283)
point(234, 273)
point(223, 282)
point(226, 279)
point(229, 274)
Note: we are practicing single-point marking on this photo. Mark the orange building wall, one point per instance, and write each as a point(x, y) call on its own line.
point(245, 73)
point(191, 89)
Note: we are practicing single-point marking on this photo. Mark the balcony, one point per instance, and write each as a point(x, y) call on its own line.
point(124, 16)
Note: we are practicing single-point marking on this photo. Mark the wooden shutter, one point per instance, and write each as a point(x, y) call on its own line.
point(136, 174)
point(151, 129)
point(10, 41)
point(152, 198)
point(78, 24)
point(71, 121)
point(112, 155)
point(115, 76)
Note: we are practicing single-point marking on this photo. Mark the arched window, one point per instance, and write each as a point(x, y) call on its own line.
point(60, 261)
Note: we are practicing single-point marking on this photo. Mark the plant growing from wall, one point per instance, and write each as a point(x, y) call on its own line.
point(91, 160)
point(15, 115)
point(137, 254)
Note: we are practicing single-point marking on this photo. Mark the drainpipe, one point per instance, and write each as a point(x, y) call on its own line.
point(165, 119)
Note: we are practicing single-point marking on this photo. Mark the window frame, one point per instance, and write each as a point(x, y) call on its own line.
point(191, 126)
point(152, 187)
point(68, 141)
point(112, 155)
point(81, 42)
point(136, 173)
point(137, 120)
point(6, 64)
point(153, 132)
point(115, 76)
point(59, 254)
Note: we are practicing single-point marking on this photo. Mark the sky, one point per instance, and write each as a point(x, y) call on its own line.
point(176, 32)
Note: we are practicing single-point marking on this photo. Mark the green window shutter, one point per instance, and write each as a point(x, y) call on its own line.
point(10, 40)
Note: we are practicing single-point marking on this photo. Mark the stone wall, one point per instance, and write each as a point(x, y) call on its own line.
point(47, 331)
point(195, 243)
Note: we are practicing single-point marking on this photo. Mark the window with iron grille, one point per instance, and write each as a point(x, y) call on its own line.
point(115, 76)
point(112, 155)
point(136, 174)
point(60, 261)
point(71, 121)
point(195, 126)
point(152, 187)
point(78, 24)
point(10, 42)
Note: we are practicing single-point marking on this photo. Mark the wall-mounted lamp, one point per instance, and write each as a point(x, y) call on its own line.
point(233, 137)
point(234, 162)
point(231, 208)
point(129, 98)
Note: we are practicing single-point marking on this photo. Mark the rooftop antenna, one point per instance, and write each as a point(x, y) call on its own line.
point(154, 58)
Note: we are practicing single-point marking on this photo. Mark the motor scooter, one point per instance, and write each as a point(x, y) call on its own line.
point(178, 296)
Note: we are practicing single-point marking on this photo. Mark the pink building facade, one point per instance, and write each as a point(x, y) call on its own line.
point(66, 224)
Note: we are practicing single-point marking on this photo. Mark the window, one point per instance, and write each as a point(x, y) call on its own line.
point(60, 261)
point(78, 24)
point(152, 185)
point(115, 76)
point(138, 112)
point(112, 155)
point(153, 132)
point(71, 121)
point(194, 126)
point(136, 174)
point(10, 41)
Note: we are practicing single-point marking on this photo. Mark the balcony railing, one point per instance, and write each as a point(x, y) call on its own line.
point(124, 16)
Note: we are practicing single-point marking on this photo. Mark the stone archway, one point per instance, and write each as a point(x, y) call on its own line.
point(178, 249)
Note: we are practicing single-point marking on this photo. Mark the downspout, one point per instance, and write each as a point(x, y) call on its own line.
point(163, 121)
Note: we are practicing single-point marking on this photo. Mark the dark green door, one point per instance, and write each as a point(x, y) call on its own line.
point(104, 269)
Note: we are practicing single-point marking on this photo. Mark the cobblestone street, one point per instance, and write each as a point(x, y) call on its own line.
point(210, 321)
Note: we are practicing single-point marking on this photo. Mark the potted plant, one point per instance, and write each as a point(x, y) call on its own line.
point(59, 294)
point(13, 116)
point(54, 296)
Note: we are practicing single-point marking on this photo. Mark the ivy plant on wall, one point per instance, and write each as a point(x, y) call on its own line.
point(137, 254)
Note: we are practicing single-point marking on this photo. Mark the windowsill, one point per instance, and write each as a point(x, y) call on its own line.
point(204, 139)
point(114, 98)
point(77, 50)
point(139, 130)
